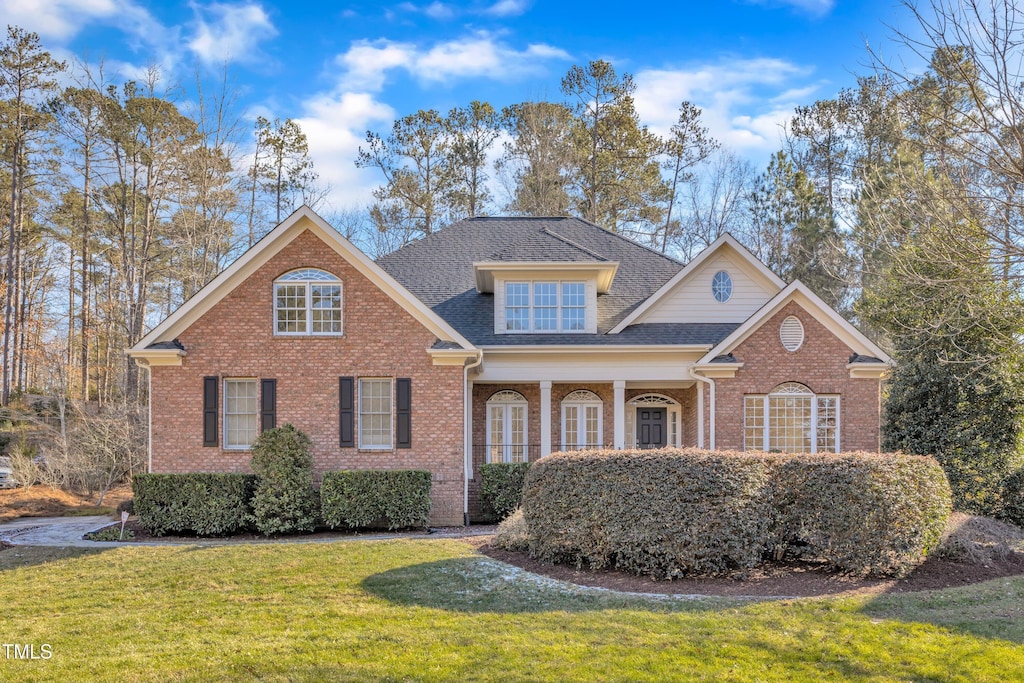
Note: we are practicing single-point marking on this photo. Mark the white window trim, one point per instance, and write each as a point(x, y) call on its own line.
point(531, 326)
point(308, 284)
point(766, 414)
point(359, 414)
point(224, 411)
point(506, 446)
point(581, 421)
point(714, 286)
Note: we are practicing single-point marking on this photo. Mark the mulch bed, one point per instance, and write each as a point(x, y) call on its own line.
point(781, 579)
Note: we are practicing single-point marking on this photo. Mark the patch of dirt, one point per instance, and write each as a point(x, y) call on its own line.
point(974, 549)
point(43, 501)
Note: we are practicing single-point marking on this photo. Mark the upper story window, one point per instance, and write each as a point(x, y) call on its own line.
point(721, 286)
point(545, 306)
point(307, 301)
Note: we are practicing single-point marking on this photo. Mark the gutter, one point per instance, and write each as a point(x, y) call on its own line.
point(467, 438)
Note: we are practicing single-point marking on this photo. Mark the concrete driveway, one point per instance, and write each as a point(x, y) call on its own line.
point(55, 531)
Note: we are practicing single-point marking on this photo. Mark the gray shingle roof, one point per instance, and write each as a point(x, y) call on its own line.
point(438, 269)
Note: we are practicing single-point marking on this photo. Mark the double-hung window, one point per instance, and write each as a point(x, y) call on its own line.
point(307, 302)
point(241, 413)
point(791, 419)
point(545, 306)
point(375, 413)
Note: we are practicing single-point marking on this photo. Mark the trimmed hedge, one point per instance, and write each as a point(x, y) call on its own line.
point(664, 513)
point(501, 488)
point(394, 499)
point(862, 512)
point(671, 512)
point(207, 504)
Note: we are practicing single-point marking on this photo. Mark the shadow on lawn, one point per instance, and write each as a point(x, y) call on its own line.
point(12, 557)
point(993, 609)
point(480, 584)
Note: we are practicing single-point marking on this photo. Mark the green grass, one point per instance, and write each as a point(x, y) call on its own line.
point(434, 610)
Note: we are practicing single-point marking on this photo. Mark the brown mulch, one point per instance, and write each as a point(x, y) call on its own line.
point(43, 501)
point(778, 579)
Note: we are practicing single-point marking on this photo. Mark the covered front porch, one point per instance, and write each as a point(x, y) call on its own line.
point(526, 420)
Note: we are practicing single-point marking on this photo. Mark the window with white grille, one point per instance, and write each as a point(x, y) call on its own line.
point(791, 419)
point(307, 301)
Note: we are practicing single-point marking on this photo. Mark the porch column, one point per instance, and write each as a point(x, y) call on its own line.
point(620, 413)
point(545, 417)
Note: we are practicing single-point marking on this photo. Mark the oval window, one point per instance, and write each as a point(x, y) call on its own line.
point(721, 286)
point(791, 333)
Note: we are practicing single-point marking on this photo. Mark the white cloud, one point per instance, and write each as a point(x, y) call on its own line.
point(230, 33)
point(63, 19)
point(439, 10)
point(508, 8)
point(335, 126)
point(745, 102)
point(817, 8)
point(367, 63)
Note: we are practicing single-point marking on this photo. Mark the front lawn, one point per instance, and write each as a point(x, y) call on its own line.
point(435, 610)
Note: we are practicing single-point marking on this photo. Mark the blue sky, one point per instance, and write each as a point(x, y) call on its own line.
point(340, 68)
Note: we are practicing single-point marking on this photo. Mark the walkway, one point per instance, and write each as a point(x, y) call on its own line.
point(68, 531)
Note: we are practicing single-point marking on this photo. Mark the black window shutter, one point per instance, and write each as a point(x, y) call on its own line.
point(403, 413)
point(210, 385)
point(268, 404)
point(346, 412)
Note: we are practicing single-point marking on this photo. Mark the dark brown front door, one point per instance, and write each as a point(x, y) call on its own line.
point(650, 427)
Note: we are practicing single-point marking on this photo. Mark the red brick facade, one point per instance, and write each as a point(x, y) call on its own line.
point(820, 364)
point(235, 339)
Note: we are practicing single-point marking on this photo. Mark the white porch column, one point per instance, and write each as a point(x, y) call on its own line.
point(545, 417)
point(620, 413)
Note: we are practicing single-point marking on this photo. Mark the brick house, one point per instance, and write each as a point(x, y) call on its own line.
point(500, 340)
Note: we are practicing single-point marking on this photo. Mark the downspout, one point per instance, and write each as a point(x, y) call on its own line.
point(144, 364)
point(711, 405)
point(467, 438)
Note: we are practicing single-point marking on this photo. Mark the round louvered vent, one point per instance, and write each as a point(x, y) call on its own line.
point(792, 333)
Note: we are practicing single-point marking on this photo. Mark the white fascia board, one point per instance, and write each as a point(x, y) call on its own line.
point(868, 370)
point(273, 242)
point(810, 302)
point(452, 356)
point(153, 357)
point(603, 271)
point(726, 240)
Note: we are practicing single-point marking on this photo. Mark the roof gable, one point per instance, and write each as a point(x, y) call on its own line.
point(301, 220)
point(759, 285)
point(812, 303)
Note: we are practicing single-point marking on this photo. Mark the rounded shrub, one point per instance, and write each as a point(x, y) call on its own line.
point(865, 513)
point(284, 501)
point(663, 513)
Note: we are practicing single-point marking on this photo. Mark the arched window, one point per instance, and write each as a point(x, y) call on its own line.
point(791, 419)
point(307, 301)
point(506, 427)
point(581, 420)
point(644, 417)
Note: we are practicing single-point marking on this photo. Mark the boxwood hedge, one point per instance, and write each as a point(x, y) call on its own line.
point(206, 504)
point(392, 499)
point(672, 512)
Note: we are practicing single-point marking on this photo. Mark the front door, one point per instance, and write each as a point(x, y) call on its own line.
point(650, 428)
